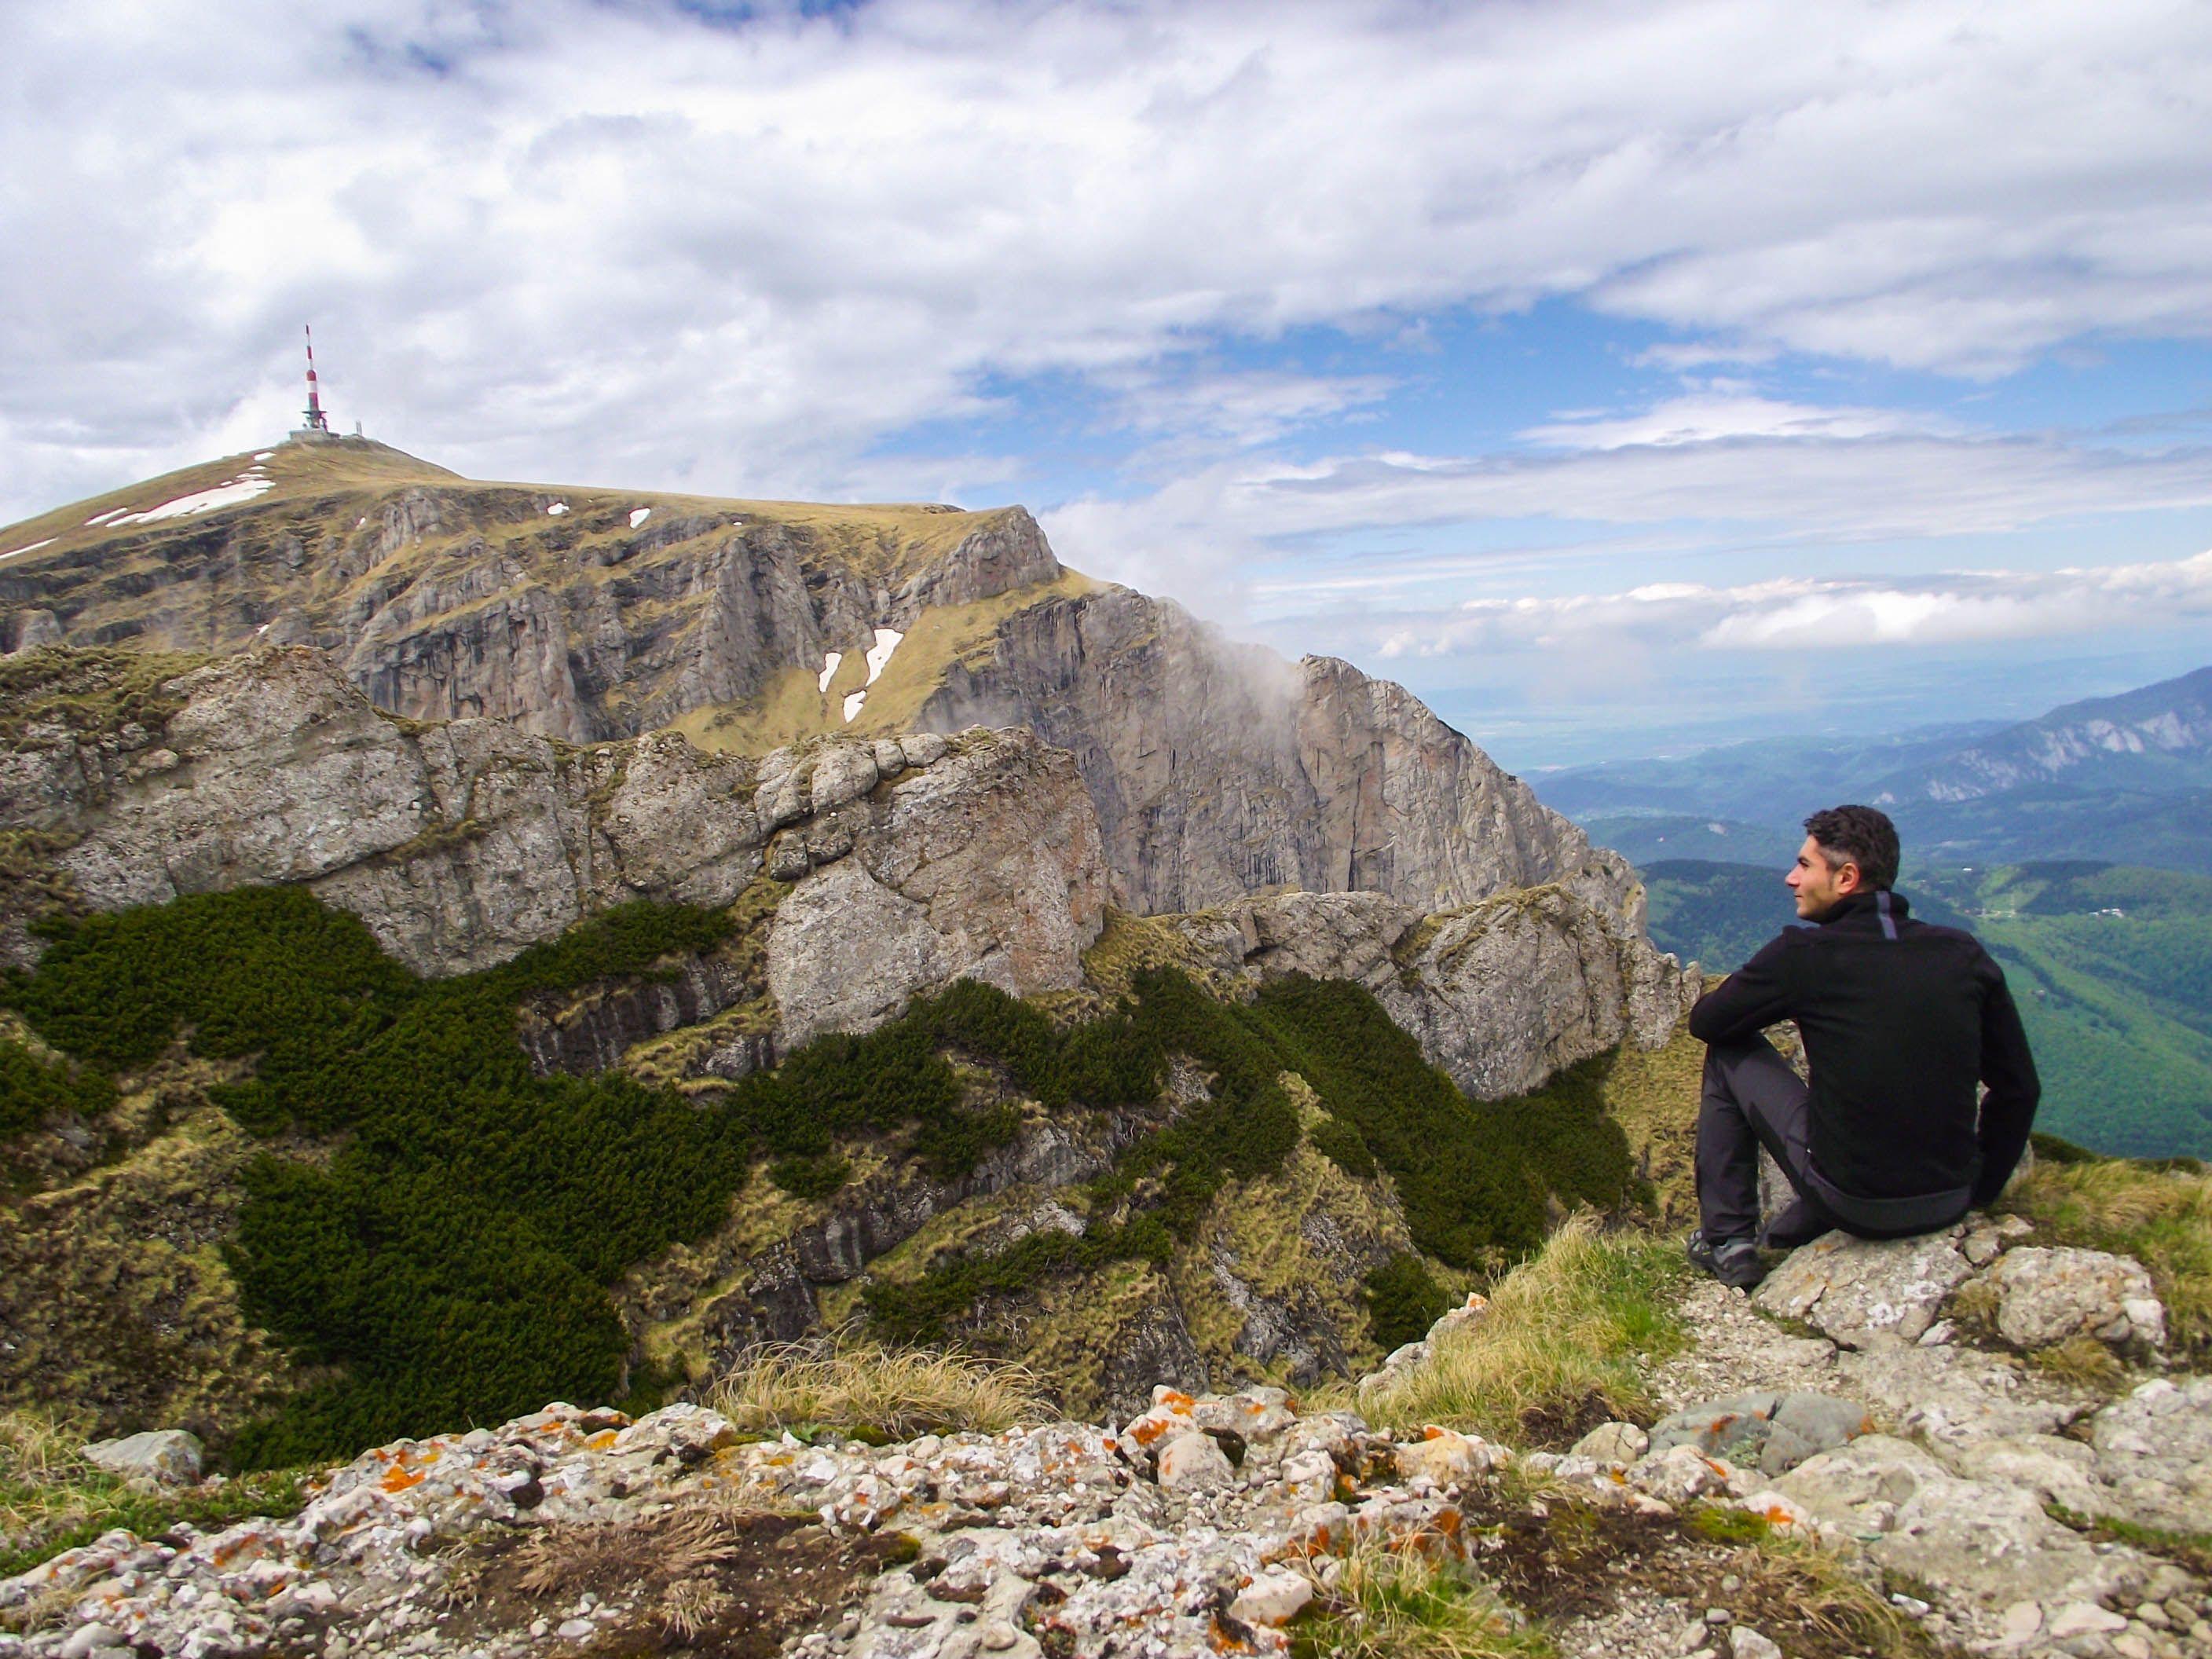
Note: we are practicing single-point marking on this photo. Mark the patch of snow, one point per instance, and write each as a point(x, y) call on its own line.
point(265, 454)
point(243, 488)
point(853, 702)
point(640, 517)
point(556, 509)
point(259, 631)
point(879, 653)
point(108, 517)
point(361, 520)
point(830, 661)
point(49, 542)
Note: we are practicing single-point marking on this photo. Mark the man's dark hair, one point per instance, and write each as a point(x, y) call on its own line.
point(1859, 835)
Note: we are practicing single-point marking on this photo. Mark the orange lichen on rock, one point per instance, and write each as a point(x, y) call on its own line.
point(400, 1477)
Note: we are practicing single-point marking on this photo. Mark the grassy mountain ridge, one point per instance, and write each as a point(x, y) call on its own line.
point(584, 611)
point(2111, 965)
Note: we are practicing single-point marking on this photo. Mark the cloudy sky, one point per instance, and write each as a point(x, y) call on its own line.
point(1620, 376)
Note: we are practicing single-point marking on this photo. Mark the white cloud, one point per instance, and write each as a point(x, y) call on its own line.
point(1911, 484)
point(622, 242)
point(1662, 486)
point(1801, 614)
point(1722, 412)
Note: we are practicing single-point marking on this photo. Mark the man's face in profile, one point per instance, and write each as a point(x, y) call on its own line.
point(1818, 885)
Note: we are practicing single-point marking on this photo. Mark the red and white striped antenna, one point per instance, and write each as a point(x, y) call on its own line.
point(317, 422)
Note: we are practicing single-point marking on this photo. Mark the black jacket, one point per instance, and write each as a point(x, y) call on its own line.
point(1900, 1021)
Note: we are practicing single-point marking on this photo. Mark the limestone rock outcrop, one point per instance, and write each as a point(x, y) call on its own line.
point(1501, 993)
point(462, 843)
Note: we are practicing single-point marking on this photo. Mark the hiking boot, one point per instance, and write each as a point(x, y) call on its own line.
point(1734, 1261)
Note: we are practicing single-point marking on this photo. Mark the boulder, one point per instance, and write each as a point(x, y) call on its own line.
point(1192, 1461)
point(1612, 1442)
point(1867, 1293)
point(2051, 1295)
point(1448, 1457)
point(168, 1457)
point(2154, 1453)
point(1774, 1432)
point(842, 773)
point(1275, 1597)
point(1680, 1473)
point(1989, 1541)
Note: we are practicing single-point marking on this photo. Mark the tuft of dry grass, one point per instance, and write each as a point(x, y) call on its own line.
point(45, 1482)
point(689, 1545)
point(2083, 1361)
point(1786, 1578)
point(1568, 1335)
point(2161, 1217)
point(893, 1393)
point(1394, 1604)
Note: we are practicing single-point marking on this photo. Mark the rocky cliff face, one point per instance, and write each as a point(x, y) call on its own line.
point(1215, 769)
point(1501, 994)
point(908, 864)
point(1219, 770)
point(899, 863)
point(900, 747)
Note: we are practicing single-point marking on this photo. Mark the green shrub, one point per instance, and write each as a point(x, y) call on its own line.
point(2053, 1149)
point(33, 1090)
point(1335, 1139)
point(1576, 1148)
point(450, 1261)
point(810, 1177)
point(1463, 1171)
point(1403, 1300)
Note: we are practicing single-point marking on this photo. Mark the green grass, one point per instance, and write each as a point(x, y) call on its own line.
point(2192, 1550)
point(1569, 1335)
point(1393, 1603)
point(96, 690)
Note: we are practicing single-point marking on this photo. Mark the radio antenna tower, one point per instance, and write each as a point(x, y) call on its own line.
point(317, 421)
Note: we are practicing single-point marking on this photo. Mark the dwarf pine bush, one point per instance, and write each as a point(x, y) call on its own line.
point(449, 1254)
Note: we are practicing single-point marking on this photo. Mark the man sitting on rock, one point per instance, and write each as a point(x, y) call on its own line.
point(1900, 1021)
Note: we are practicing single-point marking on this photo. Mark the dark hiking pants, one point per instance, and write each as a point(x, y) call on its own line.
point(1752, 1099)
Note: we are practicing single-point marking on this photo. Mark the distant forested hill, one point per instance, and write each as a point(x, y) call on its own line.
point(2112, 966)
